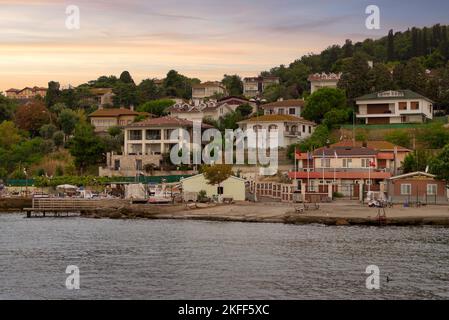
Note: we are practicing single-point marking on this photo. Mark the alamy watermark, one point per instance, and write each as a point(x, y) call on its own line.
point(373, 280)
point(260, 146)
point(372, 22)
point(72, 21)
point(72, 282)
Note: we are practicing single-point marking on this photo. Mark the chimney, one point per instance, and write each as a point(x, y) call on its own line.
point(131, 107)
point(365, 144)
point(281, 99)
point(370, 64)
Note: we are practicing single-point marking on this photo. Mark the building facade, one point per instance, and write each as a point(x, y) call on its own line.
point(207, 90)
point(346, 168)
point(290, 129)
point(388, 107)
point(233, 187)
point(145, 143)
point(26, 93)
point(103, 119)
point(323, 80)
point(254, 86)
point(291, 107)
point(417, 187)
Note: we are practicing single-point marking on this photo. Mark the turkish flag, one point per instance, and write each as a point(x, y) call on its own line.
point(372, 164)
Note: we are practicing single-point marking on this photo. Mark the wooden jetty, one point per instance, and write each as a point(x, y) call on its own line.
point(61, 206)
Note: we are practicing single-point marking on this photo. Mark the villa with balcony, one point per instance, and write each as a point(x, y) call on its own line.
point(145, 143)
point(400, 106)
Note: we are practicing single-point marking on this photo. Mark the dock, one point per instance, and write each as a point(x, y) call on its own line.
point(57, 207)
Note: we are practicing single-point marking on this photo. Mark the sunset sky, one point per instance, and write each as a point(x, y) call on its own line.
point(203, 39)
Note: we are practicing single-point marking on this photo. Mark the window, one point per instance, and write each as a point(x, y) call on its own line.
point(153, 135)
point(138, 164)
point(135, 135)
point(365, 163)
point(414, 105)
point(347, 163)
point(220, 190)
point(402, 105)
point(431, 189)
point(116, 164)
point(292, 111)
point(310, 129)
point(406, 189)
point(272, 127)
point(281, 111)
point(303, 128)
point(325, 163)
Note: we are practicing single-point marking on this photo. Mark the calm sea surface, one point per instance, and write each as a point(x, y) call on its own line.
point(157, 259)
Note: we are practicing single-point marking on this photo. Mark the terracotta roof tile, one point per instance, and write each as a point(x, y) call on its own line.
point(285, 103)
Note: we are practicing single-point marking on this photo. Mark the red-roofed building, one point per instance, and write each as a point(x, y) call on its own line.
point(344, 167)
point(26, 93)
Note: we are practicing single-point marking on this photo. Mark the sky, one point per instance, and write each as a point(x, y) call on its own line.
point(199, 38)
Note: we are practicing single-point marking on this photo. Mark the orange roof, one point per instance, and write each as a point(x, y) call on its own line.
point(278, 118)
point(380, 145)
point(115, 112)
point(166, 121)
point(340, 175)
point(385, 156)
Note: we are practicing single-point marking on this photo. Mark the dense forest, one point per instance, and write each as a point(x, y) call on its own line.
point(416, 59)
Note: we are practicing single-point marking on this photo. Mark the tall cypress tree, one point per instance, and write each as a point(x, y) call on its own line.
point(390, 46)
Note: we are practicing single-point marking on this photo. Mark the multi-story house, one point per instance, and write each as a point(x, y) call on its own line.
point(207, 90)
point(292, 107)
point(343, 167)
point(290, 129)
point(399, 106)
point(26, 93)
point(145, 143)
point(103, 96)
point(323, 80)
point(103, 119)
point(254, 86)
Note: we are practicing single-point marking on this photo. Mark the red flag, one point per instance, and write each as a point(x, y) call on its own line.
point(372, 164)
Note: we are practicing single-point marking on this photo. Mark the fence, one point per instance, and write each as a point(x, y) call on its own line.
point(139, 179)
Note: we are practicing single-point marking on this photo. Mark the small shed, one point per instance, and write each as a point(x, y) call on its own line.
point(232, 187)
point(416, 187)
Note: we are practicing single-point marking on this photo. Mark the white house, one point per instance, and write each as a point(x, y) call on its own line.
point(323, 80)
point(291, 129)
point(233, 187)
point(400, 106)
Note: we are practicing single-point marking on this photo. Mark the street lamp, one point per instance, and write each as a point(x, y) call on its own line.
point(258, 101)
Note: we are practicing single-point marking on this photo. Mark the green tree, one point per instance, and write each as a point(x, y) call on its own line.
point(216, 174)
point(147, 90)
point(245, 110)
point(380, 78)
point(53, 93)
point(86, 147)
point(322, 101)
point(58, 139)
point(233, 84)
point(440, 164)
point(125, 77)
point(156, 107)
point(433, 136)
point(417, 160)
point(9, 135)
point(7, 108)
point(67, 121)
point(47, 131)
point(355, 77)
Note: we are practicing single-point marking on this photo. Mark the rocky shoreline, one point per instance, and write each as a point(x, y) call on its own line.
point(349, 215)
